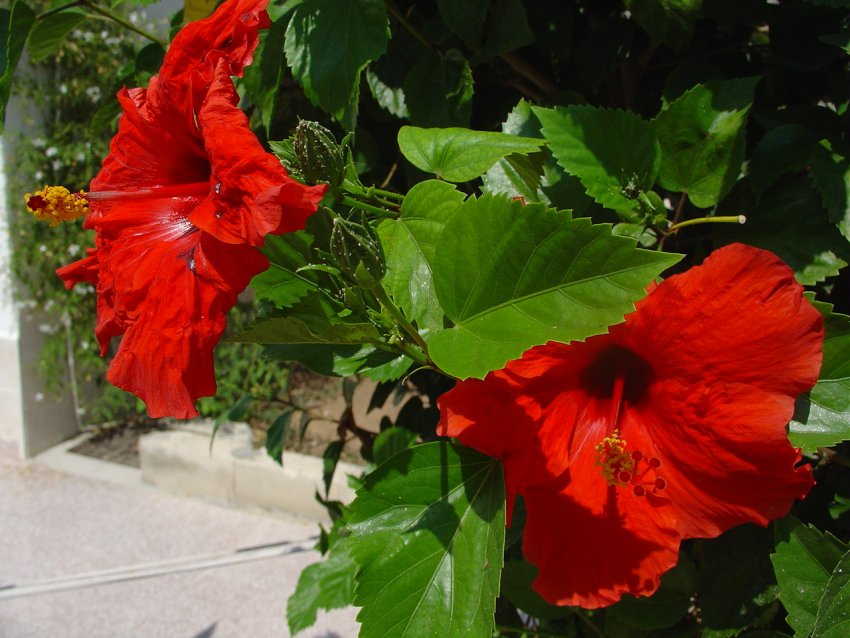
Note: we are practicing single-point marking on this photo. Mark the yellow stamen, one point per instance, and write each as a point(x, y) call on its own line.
point(56, 204)
point(613, 459)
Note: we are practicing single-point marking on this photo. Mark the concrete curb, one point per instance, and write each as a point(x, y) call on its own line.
point(234, 473)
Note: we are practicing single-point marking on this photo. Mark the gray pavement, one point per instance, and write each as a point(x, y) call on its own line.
point(57, 526)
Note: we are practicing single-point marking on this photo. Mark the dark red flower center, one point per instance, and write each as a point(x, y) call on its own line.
point(621, 377)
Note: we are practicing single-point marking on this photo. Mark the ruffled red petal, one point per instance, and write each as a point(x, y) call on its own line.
point(740, 317)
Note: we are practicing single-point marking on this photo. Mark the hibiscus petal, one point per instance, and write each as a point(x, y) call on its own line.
point(252, 194)
point(725, 454)
point(487, 416)
point(738, 318)
point(591, 559)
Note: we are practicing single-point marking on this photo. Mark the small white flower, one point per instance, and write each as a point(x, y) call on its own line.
point(42, 248)
point(38, 175)
point(80, 157)
point(39, 142)
point(81, 411)
point(94, 93)
point(135, 17)
point(39, 396)
point(63, 89)
point(85, 345)
point(45, 328)
point(73, 250)
point(57, 164)
point(51, 151)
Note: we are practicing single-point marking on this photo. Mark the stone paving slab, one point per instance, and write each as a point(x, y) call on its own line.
point(58, 525)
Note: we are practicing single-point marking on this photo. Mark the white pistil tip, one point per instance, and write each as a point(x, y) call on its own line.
point(742, 219)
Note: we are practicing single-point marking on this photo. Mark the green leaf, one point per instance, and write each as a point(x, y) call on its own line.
point(513, 276)
point(329, 43)
point(438, 91)
point(507, 30)
point(48, 33)
point(788, 220)
point(459, 154)
point(388, 97)
point(409, 243)
point(517, 577)
point(263, 78)
point(390, 442)
point(822, 416)
point(330, 459)
point(276, 436)
point(830, 176)
point(736, 584)
point(702, 135)
point(281, 287)
point(428, 528)
point(803, 562)
point(783, 149)
point(332, 359)
point(465, 18)
point(15, 25)
point(326, 585)
point(291, 330)
point(833, 620)
point(667, 606)
point(614, 153)
point(518, 175)
point(669, 22)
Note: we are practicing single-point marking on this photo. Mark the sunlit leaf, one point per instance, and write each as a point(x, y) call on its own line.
point(512, 276)
point(614, 153)
point(458, 154)
point(429, 528)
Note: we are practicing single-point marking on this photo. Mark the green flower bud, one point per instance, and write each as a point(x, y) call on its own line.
point(354, 243)
point(319, 155)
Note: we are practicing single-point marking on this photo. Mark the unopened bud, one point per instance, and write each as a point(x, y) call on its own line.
point(318, 153)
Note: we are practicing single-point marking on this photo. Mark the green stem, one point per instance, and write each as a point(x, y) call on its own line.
point(403, 21)
point(106, 13)
point(70, 5)
point(384, 193)
point(380, 212)
point(728, 219)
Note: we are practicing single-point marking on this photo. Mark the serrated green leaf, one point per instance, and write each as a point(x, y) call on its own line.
point(409, 243)
point(614, 153)
point(803, 562)
point(429, 528)
point(388, 97)
point(458, 154)
point(330, 459)
point(833, 619)
point(519, 175)
point(281, 287)
point(326, 585)
point(390, 442)
point(329, 43)
point(48, 33)
point(789, 221)
point(15, 25)
point(295, 330)
point(822, 416)
point(702, 139)
point(830, 176)
point(513, 276)
point(438, 90)
point(669, 22)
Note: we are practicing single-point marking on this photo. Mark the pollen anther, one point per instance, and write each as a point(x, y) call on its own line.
point(56, 204)
point(621, 467)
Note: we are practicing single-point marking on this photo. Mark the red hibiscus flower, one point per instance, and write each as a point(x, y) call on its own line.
point(185, 196)
point(671, 426)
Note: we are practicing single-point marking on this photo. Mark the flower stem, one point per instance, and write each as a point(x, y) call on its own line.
point(727, 219)
point(380, 212)
point(106, 13)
